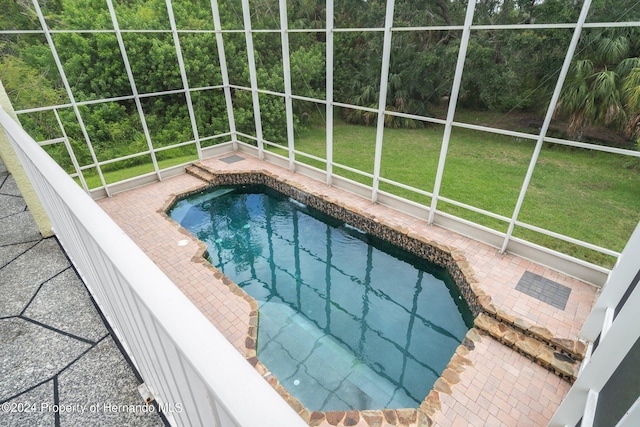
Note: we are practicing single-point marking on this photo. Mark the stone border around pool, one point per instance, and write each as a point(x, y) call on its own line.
point(560, 356)
point(444, 256)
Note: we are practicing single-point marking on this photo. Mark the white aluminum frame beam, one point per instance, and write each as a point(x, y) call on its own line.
point(547, 120)
point(225, 73)
point(67, 87)
point(566, 25)
point(134, 88)
point(246, 14)
point(453, 100)
point(382, 100)
point(183, 75)
point(286, 67)
point(72, 154)
point(329, 90)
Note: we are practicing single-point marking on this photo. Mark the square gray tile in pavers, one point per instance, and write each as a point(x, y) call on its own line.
point(232, 159)
point(545, 290)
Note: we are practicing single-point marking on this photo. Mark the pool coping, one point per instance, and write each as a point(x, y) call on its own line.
point(560, 356)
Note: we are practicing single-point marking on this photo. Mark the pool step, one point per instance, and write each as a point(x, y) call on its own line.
point(545, 352)
point(200, 171)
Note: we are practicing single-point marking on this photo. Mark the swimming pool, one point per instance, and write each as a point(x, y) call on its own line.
point(347, 321)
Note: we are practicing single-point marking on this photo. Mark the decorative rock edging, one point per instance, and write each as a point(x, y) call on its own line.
point(442, 255)
point(560, 356)
point(423, 416)
point(453, 260)
point(200, 257)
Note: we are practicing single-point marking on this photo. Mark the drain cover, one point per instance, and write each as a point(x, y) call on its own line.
point(544, 290)
point(232, 159)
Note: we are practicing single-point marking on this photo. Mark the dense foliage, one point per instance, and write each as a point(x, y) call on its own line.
point(505, 70)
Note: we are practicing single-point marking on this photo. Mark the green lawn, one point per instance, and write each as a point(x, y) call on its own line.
point(93, 180)
point(588, 195)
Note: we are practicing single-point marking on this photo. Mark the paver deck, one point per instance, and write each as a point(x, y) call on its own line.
point(500, 387)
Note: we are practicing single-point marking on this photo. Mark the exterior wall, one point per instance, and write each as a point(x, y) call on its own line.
point(15, 168)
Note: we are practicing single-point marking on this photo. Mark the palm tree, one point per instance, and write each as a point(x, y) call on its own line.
point(631, 97)
point(603, 87)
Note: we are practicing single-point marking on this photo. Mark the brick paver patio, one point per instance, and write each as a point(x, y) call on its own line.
point(499, 387)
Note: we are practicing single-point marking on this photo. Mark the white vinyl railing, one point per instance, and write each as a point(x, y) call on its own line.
point(613, 323)
point(185, 362)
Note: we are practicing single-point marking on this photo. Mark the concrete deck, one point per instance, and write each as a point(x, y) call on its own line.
point(494, 385)
point(60, 364)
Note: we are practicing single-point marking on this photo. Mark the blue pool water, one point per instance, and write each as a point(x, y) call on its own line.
point(346, 321)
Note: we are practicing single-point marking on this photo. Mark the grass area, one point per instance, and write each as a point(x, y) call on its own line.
point(93, 180)
point(588, 195)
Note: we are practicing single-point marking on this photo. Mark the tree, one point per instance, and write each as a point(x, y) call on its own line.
point(505, 70)
point(602, 86)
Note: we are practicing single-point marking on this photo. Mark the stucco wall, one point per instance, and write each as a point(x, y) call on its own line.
point(14, 167)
